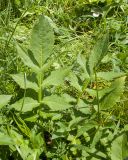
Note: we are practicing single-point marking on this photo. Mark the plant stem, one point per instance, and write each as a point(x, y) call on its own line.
point(40, 88)
point(40, 96)
point(24, 92)
point(97, 95)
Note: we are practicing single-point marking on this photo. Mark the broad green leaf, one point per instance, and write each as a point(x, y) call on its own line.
point(83, 63)
point(17, 138)
point(21, 144)
point(23, 82)
point(35, 155)
point(110, 75)
point(119, 148)
point(74, 81)
point(101, 92)
point(27, 103)
point(84, 154)
point(53, 25)
point(56, 77)
point(68, 98)
point(87, 126)
point(110, 99)
point(42, 40)
point(96, 138)
point(75, 121)
point(56, 102)
point(31, 118)
point(4, 99)
point(5, 139)
point(62, 127)
point(26, 58)
point(98, 52)
point(83, 107)
point(24, 150)
point(96, 154)
point(57, 116)
point(36, 139)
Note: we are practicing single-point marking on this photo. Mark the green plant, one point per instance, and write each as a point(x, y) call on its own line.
point(37, 58)
point(74, 112)
point(94, 103)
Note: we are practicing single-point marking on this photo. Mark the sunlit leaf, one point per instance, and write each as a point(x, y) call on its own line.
point(26, 58)
point(98, 52)
point(26, 104)
point(101, 92)
point(119, 148)
point(56, 102)
point(75, 121)
point(5, 139)
point(23, 82)
point(4, 99)
point(56, 77)
point(42, 40)
point(74, 82)
point(110, 75)
point(96, 138)
point(110, 99)
point(82, 61)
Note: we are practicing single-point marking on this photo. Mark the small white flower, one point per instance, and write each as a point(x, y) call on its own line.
point(96, 14)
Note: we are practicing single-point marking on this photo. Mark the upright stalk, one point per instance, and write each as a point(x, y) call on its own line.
point(40, 96)
point(24, 93)
point(97, 95)
point(40, 79)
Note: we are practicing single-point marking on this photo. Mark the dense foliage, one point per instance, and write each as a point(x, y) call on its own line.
point(64, 85)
